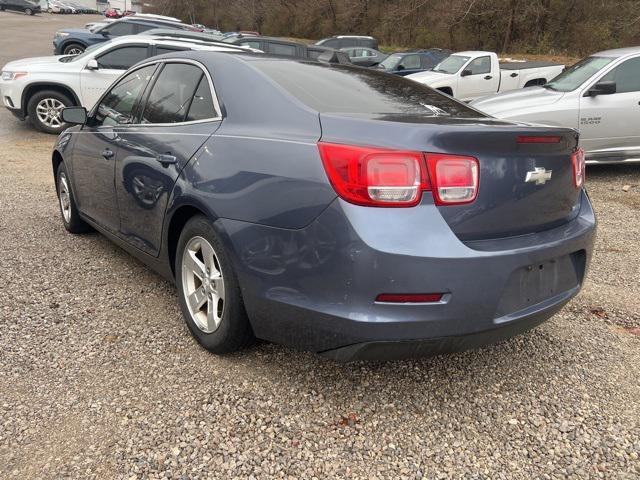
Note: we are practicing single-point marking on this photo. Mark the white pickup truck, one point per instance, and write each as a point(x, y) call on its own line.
point(470, 75)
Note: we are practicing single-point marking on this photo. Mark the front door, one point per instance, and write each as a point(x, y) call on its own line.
point(480, 81)
point(97, 146)
point(179, 115)
point(609, 123)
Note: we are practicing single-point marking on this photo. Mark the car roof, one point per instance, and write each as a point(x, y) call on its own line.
point(617, 52)
point(471, 53)
point(179, 42)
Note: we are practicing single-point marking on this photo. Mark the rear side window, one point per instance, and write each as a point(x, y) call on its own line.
point(202, 106)
point(171, 95)
point(282, 49)
point(122, 58)
point(348, 89)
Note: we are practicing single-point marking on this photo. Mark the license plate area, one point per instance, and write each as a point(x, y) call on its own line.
point(539, 281)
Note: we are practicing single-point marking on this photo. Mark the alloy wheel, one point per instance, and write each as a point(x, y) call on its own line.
point(203, 284)
point(49, 112)
point(64, 196)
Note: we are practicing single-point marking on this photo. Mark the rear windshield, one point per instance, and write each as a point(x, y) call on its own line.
point(348, 89)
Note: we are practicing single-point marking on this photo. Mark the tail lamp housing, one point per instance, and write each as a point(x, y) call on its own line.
point(578, 162)
point(379, 177)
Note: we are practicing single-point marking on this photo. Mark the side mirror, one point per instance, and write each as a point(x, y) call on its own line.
point(601, 88)
point(466, 73)
point(400, 68)
point(92, 64)
point(74, 115)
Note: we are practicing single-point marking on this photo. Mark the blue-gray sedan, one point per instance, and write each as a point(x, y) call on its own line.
point(331, 208)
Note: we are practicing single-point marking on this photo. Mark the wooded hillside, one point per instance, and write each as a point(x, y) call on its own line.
point(528, 26)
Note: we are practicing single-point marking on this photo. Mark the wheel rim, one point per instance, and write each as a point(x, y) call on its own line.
point(64, 195)
point(74, 51)
point(203, 285)
point(49, 112)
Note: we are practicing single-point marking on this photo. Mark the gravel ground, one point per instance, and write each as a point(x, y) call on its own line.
point(99, 377)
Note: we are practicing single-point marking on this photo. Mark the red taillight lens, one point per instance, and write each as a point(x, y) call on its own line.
point(374, 176)
point(409, 297)
point(578, 161)
point(454, 177)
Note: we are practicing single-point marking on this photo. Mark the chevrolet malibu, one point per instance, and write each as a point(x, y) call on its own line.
point(335, 209)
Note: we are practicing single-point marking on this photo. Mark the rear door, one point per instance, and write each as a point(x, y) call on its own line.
point(609, 123)
point(180, 112)
point(111, 64)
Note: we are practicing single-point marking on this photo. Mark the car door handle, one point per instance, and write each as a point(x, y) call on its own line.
point(514, 74)
point(107, 153)
point(166, 159)
point(488, 77)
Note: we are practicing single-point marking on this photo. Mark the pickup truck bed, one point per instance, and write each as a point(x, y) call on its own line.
point(525, 65)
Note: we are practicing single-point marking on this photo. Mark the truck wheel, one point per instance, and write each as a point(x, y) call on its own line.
point(45, 110)
point(73, 49)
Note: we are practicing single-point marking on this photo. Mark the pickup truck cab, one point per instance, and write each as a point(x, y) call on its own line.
point(40, 88)
point(470, 75)
point(599, 96)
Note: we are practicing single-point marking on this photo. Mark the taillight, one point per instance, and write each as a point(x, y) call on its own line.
point(396, 178)
point(578, 162)
point(374, 176)
point(454, 177)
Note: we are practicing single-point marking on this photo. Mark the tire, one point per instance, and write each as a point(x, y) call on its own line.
point(28, 11)
point(67, 203)
point(226, 329)
point(44, 109)
point(73, 49)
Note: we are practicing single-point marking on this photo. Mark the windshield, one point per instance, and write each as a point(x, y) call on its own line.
point(577, 74)
point(391, 61)
point(86, 53)
point(451, 64)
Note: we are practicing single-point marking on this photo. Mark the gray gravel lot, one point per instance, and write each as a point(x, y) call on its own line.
point(99, 377)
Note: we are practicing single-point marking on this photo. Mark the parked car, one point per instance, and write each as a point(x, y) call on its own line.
point(287, 48)
point(471, 75)
point(345, 41)
point(27, 6)
point(598, 96)
point(413, 61)
point(364, 57)
point(39, 88)
point(55, 6)
point(73, 41)
point(313, 217)
point(113, 13)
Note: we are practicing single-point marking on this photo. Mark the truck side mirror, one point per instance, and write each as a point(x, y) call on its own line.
point(466, 73)
point(601, 88)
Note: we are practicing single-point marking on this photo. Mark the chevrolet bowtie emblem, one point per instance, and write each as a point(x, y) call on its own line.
point(539, 175)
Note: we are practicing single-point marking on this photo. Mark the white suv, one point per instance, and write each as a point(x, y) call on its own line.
point(39, 88)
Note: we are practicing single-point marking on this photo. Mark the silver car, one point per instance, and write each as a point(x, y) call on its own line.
point(599, 96)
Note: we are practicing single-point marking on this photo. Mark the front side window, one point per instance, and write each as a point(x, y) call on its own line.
point(479, 66)
point(118, 106)
point(410, 62)
point(252, 44)
point(171, 95)
point(577, 74)
point(120, 28)
point(122, 58)
point(626, 75)
point(451, 64)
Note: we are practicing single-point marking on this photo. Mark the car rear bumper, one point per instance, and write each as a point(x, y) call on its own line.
point(315, 288)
